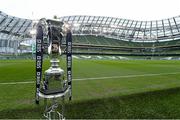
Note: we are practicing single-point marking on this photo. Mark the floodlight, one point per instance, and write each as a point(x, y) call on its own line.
point(33, 32)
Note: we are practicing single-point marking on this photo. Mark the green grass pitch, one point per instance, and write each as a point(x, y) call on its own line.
point(129, 89)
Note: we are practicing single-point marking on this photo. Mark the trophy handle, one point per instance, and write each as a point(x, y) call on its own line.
point(39, 59)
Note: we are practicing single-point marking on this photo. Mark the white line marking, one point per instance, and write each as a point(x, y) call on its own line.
point(126, 76)
point(97, 78)
point(14, 83)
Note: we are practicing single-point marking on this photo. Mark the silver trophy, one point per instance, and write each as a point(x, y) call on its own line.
point(53, 87)
point(54, 77)
point(54, 84)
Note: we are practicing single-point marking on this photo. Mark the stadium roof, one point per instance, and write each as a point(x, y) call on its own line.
point(13, 30)
point(123, 29)
point(13, 27)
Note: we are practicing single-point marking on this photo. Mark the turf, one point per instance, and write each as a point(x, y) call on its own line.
point(155, 96)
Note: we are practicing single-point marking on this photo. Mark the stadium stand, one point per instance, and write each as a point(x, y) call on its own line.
point(160, 37)
point(13, 31)
point(99, 35)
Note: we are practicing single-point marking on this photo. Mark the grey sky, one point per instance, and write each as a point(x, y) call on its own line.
point(128, 9)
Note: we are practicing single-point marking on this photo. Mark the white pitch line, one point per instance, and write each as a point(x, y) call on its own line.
point(14, 83)
point(97, 78)
point(126, 76)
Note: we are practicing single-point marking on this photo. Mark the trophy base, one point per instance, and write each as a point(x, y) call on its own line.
point(54, 109)
point(54, 91)
point(58, 94)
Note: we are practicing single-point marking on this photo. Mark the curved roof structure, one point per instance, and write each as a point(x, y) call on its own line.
point(124, 29)
point(13, 25)
point(12, 31)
